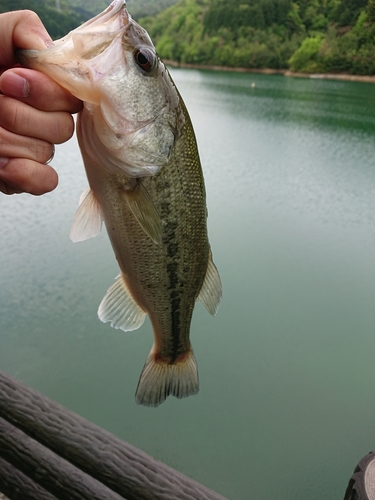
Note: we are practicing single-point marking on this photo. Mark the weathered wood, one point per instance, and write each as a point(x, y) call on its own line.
point(118, 465)
point(18, 486)
point(47, 469)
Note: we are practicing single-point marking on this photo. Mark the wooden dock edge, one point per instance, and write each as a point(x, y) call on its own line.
point(48, 452)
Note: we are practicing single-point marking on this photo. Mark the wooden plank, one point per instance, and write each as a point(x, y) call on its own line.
point(120, 466)
point(53, 473)
point(19, 486)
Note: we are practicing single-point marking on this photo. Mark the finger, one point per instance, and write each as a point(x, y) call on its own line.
point(38, 90)
point(26, 176)
point(8, 189)
point(21, 29)
point(18, 146)
point(21, 119)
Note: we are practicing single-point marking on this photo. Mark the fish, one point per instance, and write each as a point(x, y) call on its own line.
point(145, 183)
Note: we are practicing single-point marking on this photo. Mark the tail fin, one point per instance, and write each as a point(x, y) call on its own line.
point(159, 379)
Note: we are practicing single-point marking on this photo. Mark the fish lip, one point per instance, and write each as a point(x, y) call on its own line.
point(112, 10)
point(22, 55)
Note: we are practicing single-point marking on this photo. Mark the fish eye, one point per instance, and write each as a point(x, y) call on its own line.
point(145, 59)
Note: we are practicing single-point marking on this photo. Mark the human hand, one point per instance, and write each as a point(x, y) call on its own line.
point(35, 112)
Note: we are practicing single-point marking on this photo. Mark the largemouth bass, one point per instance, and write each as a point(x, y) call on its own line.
point(145, 183)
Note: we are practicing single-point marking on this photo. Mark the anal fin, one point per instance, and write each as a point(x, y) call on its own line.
point(159, 379)
point(119, 307)
point(211, 291)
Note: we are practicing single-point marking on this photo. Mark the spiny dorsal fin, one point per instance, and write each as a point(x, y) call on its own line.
point(142, 206)
point(119, 307)
point(159, 379)
point(88, 219)
point(211, 290)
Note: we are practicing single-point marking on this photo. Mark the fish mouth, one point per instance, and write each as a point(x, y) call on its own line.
point(74, 60)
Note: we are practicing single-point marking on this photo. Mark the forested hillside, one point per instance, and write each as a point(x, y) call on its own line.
point(140, 8)
point(302, 35)
point(314, 36)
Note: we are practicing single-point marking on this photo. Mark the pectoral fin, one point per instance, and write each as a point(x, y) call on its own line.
point(211, 290)
point(88, 219)
point(119, 307)
point(143, 209)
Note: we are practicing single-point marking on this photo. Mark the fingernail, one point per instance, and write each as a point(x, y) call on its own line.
point(17, 86)
point(3, 162)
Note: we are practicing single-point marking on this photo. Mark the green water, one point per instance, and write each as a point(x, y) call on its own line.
point(286, 406)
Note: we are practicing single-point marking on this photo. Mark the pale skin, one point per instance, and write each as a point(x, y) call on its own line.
point(35, 112)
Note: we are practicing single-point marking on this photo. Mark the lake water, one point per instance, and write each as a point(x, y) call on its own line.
point(286, 405)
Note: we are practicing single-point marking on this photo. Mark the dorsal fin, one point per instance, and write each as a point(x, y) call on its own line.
point(88, 219)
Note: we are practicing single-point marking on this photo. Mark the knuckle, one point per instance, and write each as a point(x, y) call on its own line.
point(14, 115)
point(41, 150)
point(30, 17)
point(5, 142)
point(61, 127)
point(65, 128)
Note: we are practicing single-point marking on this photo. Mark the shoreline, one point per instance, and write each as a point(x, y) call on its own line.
point(269, 71)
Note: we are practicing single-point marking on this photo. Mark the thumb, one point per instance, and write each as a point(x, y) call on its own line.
point(21, 29)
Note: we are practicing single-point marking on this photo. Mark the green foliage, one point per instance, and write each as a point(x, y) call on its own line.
point(142, 8)
point(305, 58)
point(293, 21)
point(371, 11)
point(348, 11)
point(347, 51)
point(191, 32)
point(177, 32)
point(255, 13)
point(303, 35)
